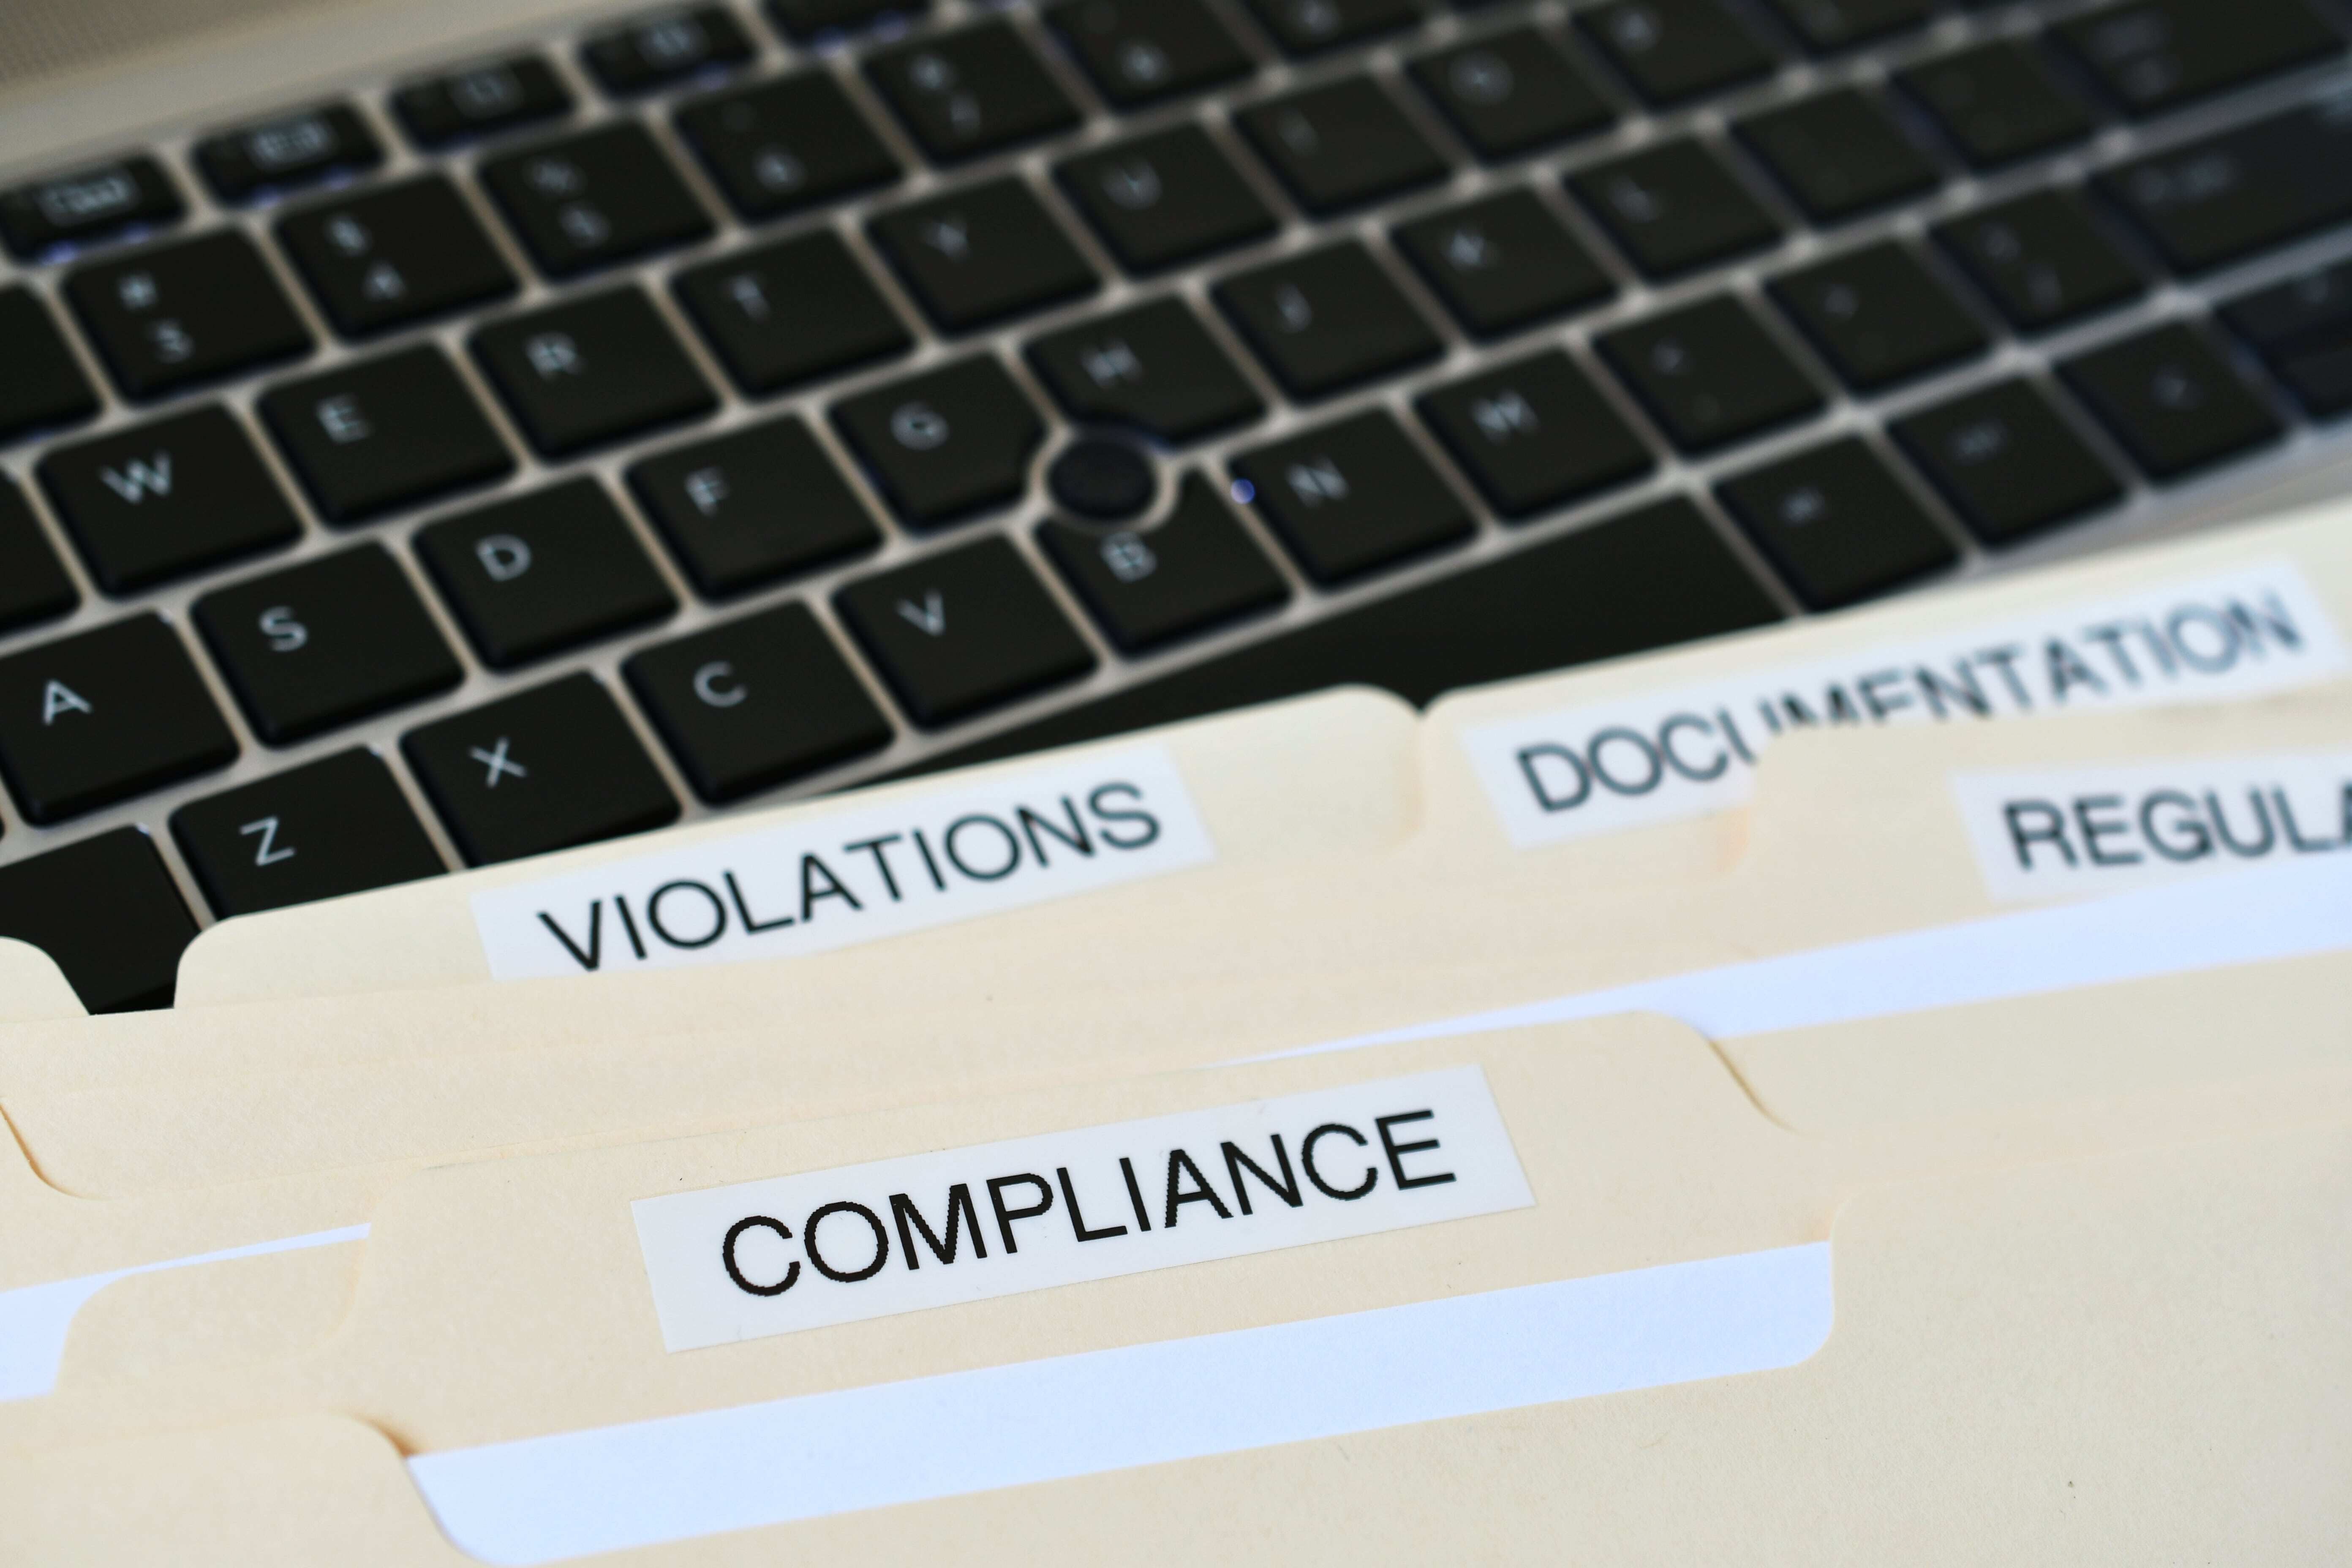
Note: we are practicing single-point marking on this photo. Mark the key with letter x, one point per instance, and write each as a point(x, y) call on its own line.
point(544, 769)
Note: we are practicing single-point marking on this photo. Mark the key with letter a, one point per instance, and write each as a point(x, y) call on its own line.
point(93, 719)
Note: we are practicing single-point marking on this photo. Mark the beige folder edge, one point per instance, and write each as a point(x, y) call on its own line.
point(2057, 1331)
point(1621, 773)
point(165, 1161)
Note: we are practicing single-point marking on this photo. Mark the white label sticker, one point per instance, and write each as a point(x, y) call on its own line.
point(1663, 756)
point(2055, 833)
point(998, 1219)
point(855, 876)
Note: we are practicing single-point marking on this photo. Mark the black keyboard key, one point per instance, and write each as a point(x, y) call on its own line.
point(1710, 374)
point(157, 501)
point(947, 443)
point(330, 828)
point(543, 573)
point(981, 254)
point(1878, 316)
point(1512, 93)
point(45, 384)
point(103, 715)
point(1195, 569)
point(1534, 434)
point(106, 911)
point(33, 582)
point(544, 769)
point(1838, 524)
point(1165, 198)
point(376, 435)
point(1341, 146)
point(2302, 329)
point(1353, 497)
point(2171, 400)
point(2246, 190)
point(1673, 50)
point(595, 370)
point(1325, 319)
point(1674, 207)
point(482, 101)
point(2153, 55)
point(1998, 102)
point(181, 314)
point(324, 643)
point(1643, 580)
point(806, 21)
point(1153, 367)
point(791, 311)
point(779, 146)
point(1839, 154)
point(755, 703)
point(962, 631)
point(1139, 52)
point(399, 254)
point(2007, 460)
point(972, 92)
point(751, 506)
point(664, 48)
point(1503, 263)
point(1827, 27)
point(602, 197)
point(1311, 26)
point(87, 206)
point(292, 150)
point(2042, 259)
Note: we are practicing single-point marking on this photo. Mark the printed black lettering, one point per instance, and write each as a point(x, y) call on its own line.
point(881, 862)
point(1546, 752)
point(1201, 1192)
point(2109, 635)
point(1875, 696)
point(846, 1276)
point(1696, 773)
point(743, 913)
point(2158, 649)
point(1236, 1163)
point(2066, 668)
point(2258, 626)
point(2293, 834)
point(2096, 828)
point(1149, 832)
point(2222, 651)
point(2004, 658)
point(1031, 823)
point(595, 953)
point(1078, 1220)
point(1005, 1217)
point(1134, 1193)
point(812, 869)
point(1307, 1162)
point(2032, 822)
point(1397, 1151)
point(1652, 766)
point(961, 1216)
point(2181, 836)
point(629, 924)
point(734, 1270)
point(955, 856)
point(661, 928)
point(2343, 815)
point(1731, 733)
point(1960, 689)
point(2221, 820)
point(923, 846)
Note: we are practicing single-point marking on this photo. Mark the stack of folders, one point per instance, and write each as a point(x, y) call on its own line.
point(1730, 1106)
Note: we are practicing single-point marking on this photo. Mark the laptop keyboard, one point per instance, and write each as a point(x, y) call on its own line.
point(713, 403)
